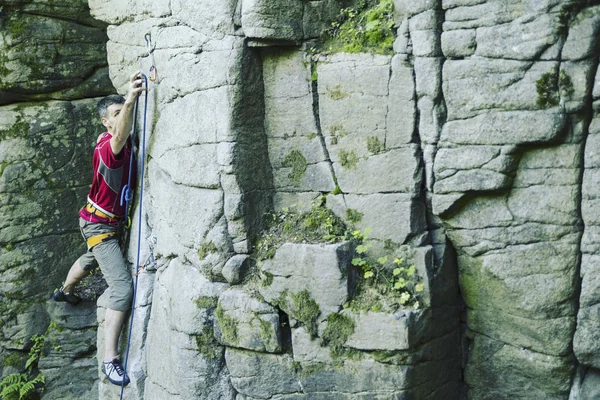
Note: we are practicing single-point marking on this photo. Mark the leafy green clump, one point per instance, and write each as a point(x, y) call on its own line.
point(386, 284)
point(306, 311)
point(551, 86)
point(338, 330)
point(319, 225)
point(26, 385)
point(366, 28)
point(207, 345)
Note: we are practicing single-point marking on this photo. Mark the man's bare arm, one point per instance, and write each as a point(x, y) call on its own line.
point(125, 117)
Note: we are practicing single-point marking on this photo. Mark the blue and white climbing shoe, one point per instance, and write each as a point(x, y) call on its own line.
point(115, 373)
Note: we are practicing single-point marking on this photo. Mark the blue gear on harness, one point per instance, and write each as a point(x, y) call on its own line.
point(127, 195)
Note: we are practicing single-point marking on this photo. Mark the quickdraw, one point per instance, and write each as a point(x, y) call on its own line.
point(150, 49)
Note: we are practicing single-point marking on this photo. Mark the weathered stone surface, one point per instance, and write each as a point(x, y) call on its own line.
point(459, 43)
point(582, 35)
point(497, 369)
point(246, 322)
point(264, 19)
point(503, 85)
point(52, 53)
point(179, 333)
point(405, 210)
point(235, 268)
point(505, 128)
point(368, 334)
point(319, 269)
point(261, 375)
point(368, 175)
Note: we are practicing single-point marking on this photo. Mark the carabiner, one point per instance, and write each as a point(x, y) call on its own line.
point(150, 50)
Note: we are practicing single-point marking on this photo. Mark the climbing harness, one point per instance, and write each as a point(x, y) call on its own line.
point(127, 194)
point(95, 240)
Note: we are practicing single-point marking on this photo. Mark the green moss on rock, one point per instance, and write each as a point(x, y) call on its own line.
point(207, 344)
point(338, 330)
point(297, 162)
point(228, 326)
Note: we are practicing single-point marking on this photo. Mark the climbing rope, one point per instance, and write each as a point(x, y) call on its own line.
point(127, 194)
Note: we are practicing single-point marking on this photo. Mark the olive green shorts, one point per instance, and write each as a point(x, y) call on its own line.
point(107, 255)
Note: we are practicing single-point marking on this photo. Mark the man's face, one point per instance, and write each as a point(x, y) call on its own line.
point(112, 113)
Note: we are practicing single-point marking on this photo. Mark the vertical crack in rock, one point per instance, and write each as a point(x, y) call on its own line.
point(316, 114)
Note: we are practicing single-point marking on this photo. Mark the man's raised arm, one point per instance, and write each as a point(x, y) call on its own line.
point(125, 117)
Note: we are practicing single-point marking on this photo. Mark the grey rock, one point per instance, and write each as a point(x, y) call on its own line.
point(504, 85)
point(524, 39)
point(459, 43)
point(520, 367)
point(319, 269)
point(246, 322)
point(396, 170)
point(267, 19)
point(48, 55)
point(308, 350)
point(404, 209)
point(505, 128)
point(582, 34)
point(586, 385)
point(368, 334)
point(261, 375)
point(235, 268)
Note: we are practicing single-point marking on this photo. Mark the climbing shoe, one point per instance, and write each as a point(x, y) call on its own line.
point(70, 298)
point(115, 373)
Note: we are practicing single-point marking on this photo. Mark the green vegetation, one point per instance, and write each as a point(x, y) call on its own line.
point(348, 159)
point(297, 162)
point(374, 145)
point(207, 344)
point(336, 93)
point(306, 311)
point(337, 132)
point(318, 225)
point(228, 326)
point(551, 86)
point(353, 215)
point(366, 28)
point(20, 129)
point(338, 330)
point(206, 302)
point(387, 284)
point(206, 249)
point(29, 384)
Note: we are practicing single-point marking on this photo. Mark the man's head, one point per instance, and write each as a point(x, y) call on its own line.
point(109, 108)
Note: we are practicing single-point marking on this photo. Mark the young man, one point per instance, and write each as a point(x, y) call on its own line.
point(100, 219)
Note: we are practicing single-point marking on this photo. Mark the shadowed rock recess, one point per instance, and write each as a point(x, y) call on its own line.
point(415, 223)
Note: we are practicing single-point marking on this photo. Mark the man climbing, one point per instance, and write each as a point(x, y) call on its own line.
point(100, 220)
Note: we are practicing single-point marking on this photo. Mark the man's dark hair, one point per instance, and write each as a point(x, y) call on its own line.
point(106, 102)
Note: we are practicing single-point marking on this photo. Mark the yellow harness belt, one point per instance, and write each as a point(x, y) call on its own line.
point(91, 209)
point(94, 240)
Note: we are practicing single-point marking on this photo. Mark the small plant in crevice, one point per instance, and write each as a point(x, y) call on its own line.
point(367, 27)
point(318, 225)
point(551, 86)
point(353, 215)
point(385, 284)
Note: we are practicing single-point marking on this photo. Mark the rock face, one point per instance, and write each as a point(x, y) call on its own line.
point(52, 65)
point(468, 154)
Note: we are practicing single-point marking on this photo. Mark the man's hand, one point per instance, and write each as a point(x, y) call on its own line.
point(136, 86)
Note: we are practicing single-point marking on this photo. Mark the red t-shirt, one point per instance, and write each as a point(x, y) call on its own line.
point(110, 176)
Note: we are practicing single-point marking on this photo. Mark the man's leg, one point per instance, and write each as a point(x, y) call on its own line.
point(113, 322)
point(75, 275)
